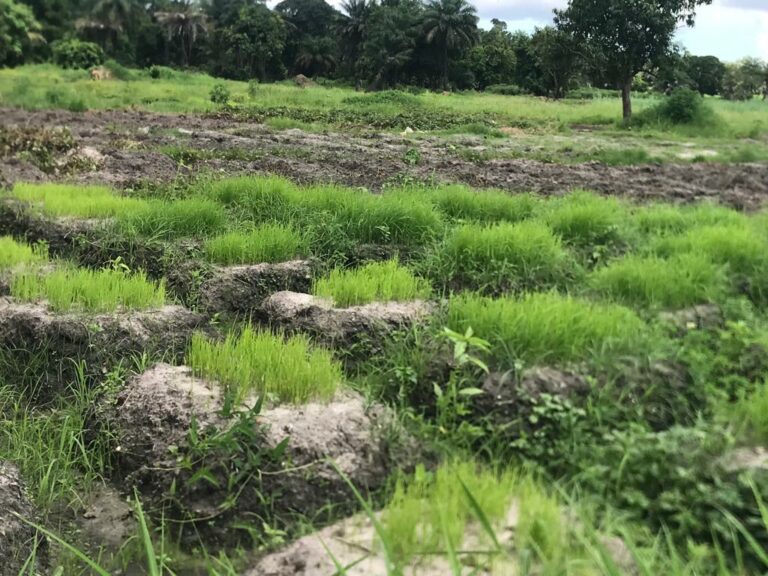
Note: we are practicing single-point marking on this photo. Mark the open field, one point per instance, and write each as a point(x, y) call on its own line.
point(282, 338)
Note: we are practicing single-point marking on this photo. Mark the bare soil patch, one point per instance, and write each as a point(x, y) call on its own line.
point(129, 142)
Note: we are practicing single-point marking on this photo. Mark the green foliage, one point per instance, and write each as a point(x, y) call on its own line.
point(265, 243)
point(77, 54)
point(375, 282)
point(19, 32)
point(93, 291)
point(586, 220)
point(262, 199)
point(650, 281)
point(548, 328)
point(44, 147)
point(683, 107)
point(748, 415)
point(77, 200)
point(502, 257)
point(220, 94)
point(159, 219)
point(384, 98)
point(462, 203)
point(256, 362)
point(14, 253)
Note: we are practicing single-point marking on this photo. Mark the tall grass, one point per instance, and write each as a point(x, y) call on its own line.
point(95, 291)
point(77, 200)
point(548, 327)
point(375, 282)
point(261, 199)
point(505, 256)
point(14, 253)
point(587, 220)
point(191, 217)
point(265, 243)
point(749, 414)
point(651, 281)
point(258, 362)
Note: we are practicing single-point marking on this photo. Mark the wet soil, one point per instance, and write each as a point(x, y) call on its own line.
point(130, 141)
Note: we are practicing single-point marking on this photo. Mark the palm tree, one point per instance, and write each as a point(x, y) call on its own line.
point(186, 24)
point(449, 24)
point(316, 56)
point(108, 18)
point(352, 29)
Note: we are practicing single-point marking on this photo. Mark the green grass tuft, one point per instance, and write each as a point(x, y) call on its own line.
point(192, 217)
point(259, 362)
point(655, 282)
point(487, 206)
point(77, 200)
point(265, 243)
point(587, 220)
point(749, 415)
point(502, 257)
point(375, 282)
point(94, 291)
point(547, 327)
point(261, 199)
point(14, 253)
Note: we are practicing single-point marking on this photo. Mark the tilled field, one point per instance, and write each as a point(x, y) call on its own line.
point(123, 148)
point(254, 376)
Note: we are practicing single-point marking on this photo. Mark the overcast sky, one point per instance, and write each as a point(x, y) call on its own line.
point(728, 29)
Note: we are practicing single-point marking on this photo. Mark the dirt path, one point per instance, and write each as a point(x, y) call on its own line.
point(129, 142)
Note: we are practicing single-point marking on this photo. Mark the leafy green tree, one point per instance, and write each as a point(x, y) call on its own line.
point(745, 79)
point(556, 53)
point(316, 56)
point(629, 34)
point(706, 72)
point(352, 31)
point(493, 59)
point(449, 24)
point(390, 42)
point(306, 19)
point(19, 32)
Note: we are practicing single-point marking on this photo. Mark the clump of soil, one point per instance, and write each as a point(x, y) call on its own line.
point(18, 540)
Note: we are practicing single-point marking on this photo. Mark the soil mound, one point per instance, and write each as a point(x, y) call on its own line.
point(18, 540)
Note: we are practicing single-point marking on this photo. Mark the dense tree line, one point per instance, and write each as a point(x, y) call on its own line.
point(381, 43)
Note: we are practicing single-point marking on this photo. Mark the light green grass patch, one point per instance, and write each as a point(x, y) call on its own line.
point(265, 243)
point(94, 291)
point(14, 253)
point(463, 203)
point(677, 282)
point(376, 282)
point(749, 414)
point(503, 257)
point(260, 198)
point(77, 200)
point(548, 327)
point(256, 362)
point(587, 220)
point(191, 217)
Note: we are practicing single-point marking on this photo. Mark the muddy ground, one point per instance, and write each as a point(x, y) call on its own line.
point(127, 146)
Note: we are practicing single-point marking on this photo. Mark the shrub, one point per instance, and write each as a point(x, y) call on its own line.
point(13, 253)
point(96, 291)
point(586, 220)
point(683, 107)
point(259, 362)
point(77, 54)
point(118, 70)
point(675, 283)
point(547, 327)
point(77, 200)
point(505, 89)
point(154, 72)
point(253, 87)
point(220, 94)
point(172, 219)
point(500, 257)
point(375, 282)
point(265, 243)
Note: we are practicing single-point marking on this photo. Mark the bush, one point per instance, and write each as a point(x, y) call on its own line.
point(77, 54)
point(220, 94)
point(523, 256)
point(154, 72)
point(376, 282)
point(253, 87)
point(547, 327)
point(505, 89)
point(675, 283)
point(683, 107)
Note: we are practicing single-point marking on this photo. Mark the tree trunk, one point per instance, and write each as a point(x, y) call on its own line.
point(626, 99)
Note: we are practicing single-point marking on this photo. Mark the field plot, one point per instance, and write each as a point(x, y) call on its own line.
point(322, 332)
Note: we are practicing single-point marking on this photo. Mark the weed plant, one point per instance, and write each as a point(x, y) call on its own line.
point(375, 282)
point(502, 257)
point(77, 200)
point(256, 362)
point(654, 282)
point(191, 217)
point(264, 243)
point(94, 291)
point(545, 328)
point(14, 253)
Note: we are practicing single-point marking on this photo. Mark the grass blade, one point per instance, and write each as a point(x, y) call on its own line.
point(481, 517)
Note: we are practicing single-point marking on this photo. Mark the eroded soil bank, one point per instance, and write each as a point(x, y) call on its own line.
point(126, 146)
